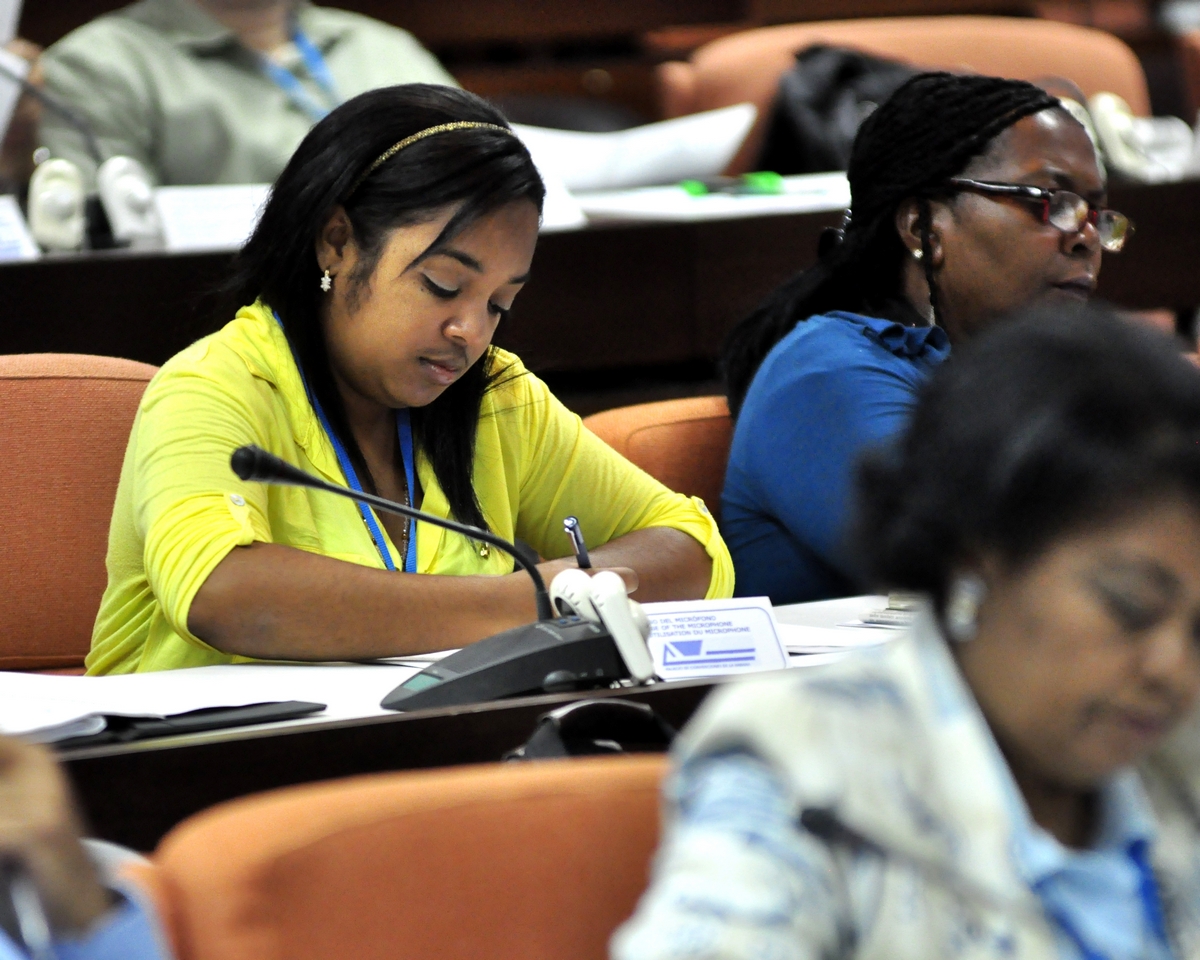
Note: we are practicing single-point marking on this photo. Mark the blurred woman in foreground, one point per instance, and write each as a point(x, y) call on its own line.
point(1018, 776)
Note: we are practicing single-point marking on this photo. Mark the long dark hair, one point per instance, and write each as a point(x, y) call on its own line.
point(1058, 420)
point(922, 135)
point(479, 169)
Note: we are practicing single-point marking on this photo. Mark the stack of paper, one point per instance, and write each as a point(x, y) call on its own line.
point(51, 708)
point(816, 632)
point(806, 193)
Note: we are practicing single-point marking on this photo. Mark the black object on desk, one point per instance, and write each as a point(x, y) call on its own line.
point(128, 729)
point(552, 656)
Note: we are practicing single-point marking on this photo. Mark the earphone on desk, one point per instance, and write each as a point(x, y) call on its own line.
point(602, 600)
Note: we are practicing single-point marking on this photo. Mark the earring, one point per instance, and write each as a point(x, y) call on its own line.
point(962, 606)
point(326, 282)
point(918, 253)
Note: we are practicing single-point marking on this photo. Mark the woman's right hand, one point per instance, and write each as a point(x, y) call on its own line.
point(552, 568)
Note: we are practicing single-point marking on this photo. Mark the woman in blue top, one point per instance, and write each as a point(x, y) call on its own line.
point(971, 196)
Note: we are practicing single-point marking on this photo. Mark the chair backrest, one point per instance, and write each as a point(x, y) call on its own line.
point(536, 861)
point(748, 66)
point(684, 444)
point(65, 428)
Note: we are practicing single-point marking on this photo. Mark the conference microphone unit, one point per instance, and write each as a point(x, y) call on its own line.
point(552, 655)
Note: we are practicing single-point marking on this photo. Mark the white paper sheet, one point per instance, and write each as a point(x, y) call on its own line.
point(16, 243)
point(10, 91)
point(560, 210)
point(829, 613)
point(699, 145)
point(218, 217)
point(10, 16)
point(33, 701)
point(807, 193)
point(800, 639)
point(819, 629)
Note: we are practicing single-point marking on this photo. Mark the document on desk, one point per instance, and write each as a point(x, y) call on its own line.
point(209, 218)
point(51, 708)
point(10, 16)
point(707, 638)
point(805, 193)
point(699, 145)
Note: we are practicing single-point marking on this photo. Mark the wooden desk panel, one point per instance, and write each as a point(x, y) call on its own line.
point(1161, 265)
point(134, 794)
point(634, 295)
point(600, 297)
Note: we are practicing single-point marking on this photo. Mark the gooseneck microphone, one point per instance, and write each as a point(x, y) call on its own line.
point(255, 463)
point(56, 106)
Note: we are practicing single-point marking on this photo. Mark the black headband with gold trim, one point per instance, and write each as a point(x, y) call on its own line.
point(421, 135)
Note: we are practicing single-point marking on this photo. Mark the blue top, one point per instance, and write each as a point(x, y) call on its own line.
point(837, 384)
point(127, 933)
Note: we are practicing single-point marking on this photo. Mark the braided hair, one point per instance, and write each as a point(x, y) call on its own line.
point(924, 134)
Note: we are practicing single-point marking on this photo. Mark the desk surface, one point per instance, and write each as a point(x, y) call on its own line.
point(134, 793)
point(604, 297)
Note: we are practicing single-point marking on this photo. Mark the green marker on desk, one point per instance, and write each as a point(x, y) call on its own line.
point(763, 183)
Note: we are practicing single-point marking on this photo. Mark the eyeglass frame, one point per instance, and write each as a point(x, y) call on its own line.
point(1043, 195)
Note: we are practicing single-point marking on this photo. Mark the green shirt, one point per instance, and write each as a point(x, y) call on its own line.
point(163, 82)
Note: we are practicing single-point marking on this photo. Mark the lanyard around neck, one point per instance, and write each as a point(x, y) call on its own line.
point(1152, 908)
point(404, 434)
point(317, 68)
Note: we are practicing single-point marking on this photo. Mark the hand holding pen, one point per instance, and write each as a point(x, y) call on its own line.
point(571, 526)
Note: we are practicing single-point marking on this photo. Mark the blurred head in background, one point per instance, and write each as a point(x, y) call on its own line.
point(1047, 497)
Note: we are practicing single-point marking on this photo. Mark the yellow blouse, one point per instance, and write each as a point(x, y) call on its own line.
point(180, 509)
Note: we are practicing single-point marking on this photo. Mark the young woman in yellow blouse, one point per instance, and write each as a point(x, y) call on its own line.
point(392, 245)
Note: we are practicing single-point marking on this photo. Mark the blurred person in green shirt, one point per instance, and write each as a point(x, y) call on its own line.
point(218, 91)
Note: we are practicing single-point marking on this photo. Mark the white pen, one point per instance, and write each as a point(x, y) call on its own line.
point(33, 927)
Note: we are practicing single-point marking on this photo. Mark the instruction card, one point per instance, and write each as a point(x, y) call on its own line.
point(705, 638)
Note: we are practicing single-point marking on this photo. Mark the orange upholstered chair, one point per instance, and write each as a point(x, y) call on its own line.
point(529, 861)
point(682, 443)
point(748, 66)
point(62, 440)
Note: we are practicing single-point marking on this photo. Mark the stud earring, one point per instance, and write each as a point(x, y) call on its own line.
point(326, 282)
point(962, 607)
point(918, 253)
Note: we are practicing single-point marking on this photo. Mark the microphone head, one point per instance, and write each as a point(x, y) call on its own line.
point(254, 463)
point(245, 462)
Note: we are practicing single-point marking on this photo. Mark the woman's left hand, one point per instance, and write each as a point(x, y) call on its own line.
point(39, 826)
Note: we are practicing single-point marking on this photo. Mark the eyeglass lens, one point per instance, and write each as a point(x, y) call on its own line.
point(1069, 212)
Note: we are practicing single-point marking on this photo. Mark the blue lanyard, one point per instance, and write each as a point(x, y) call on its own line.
point(317, 68)
point(404, 432)
point(1152, 907)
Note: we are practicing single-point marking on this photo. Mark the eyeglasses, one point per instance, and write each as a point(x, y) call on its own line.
point(1062, 209)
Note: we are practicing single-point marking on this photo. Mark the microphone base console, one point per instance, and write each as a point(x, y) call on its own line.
point(545, 657)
